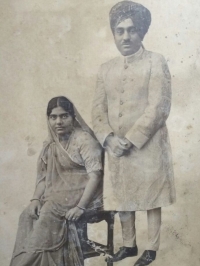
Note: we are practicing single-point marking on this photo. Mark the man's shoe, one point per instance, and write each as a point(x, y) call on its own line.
point(123, 253)
point(147, 257)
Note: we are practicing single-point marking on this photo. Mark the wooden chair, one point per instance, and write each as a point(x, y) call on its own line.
point(96, 217)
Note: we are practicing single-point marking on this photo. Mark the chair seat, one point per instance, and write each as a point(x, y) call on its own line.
point(96, 216)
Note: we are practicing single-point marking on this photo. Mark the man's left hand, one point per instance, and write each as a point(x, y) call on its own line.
point(126, 143)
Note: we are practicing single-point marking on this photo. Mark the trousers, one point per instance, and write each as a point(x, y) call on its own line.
point(127, 220)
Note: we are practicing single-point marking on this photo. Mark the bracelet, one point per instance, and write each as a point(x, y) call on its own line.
point(81, 208)
point(34, 199)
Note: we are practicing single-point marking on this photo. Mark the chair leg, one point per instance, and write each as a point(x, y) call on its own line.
point(110, 241)
point(109, 263)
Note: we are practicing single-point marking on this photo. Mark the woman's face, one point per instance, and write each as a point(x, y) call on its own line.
point(61, 121)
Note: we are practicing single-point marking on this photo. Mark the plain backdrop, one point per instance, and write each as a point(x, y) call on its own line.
point(55, 47)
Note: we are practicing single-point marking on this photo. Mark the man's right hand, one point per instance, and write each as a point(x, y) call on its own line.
point(34, 209)
point(115, 144)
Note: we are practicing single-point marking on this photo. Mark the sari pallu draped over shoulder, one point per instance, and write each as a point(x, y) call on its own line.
point(52, 240)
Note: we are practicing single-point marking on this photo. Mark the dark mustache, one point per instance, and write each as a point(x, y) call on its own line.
point(126, 42)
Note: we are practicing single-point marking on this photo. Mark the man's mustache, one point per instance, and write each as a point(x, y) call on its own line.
point(126, 42)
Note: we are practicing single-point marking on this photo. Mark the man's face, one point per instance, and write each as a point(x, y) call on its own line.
point(127, 39)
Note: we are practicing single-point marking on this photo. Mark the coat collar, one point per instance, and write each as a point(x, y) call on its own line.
point(129, 59)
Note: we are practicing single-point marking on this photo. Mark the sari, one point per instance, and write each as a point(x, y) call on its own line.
point(52, 240)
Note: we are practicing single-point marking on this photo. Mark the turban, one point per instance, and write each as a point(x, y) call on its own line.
point(139, 14)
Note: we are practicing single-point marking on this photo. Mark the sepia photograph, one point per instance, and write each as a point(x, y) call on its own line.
point(100, 134)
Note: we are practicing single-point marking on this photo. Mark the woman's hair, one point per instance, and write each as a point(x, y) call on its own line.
point(62, 102)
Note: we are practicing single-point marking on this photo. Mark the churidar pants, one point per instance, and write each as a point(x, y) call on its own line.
point(129, 232)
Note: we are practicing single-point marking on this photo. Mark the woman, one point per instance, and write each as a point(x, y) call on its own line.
point(69, 181)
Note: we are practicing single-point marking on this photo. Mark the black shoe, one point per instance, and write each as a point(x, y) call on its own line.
point(123, 253)
point(147, 257)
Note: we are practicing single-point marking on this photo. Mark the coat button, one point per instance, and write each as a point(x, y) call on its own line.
point(121, 102)
point(120, 115)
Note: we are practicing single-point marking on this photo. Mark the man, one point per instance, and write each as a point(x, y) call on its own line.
point(132, 102)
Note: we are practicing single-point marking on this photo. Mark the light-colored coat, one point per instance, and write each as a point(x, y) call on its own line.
point(133, 99)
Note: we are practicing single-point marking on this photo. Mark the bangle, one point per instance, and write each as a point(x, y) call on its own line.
point(81, 208)
point(35, 199)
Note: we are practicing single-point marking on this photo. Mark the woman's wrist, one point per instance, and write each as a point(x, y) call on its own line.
point(35, 199)
point(81, 208)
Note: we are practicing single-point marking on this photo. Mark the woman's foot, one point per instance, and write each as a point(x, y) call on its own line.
point(147, 257)
point(123, 253)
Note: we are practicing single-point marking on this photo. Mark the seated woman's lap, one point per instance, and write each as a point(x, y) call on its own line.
point(49, 231)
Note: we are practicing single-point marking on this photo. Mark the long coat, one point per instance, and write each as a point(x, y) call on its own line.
point(132, 100)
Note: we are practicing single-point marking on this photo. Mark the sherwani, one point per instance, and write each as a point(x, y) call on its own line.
point(132, 100)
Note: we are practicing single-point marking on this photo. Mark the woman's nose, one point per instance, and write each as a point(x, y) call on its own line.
point(58, 120)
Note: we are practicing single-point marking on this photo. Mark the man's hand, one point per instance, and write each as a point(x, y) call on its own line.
point(34, 209)
point(125, 142)
point(74, 214)
point(118, 145)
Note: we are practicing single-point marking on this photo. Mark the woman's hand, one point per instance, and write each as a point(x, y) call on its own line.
point(34, 209)
point(74, 214)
